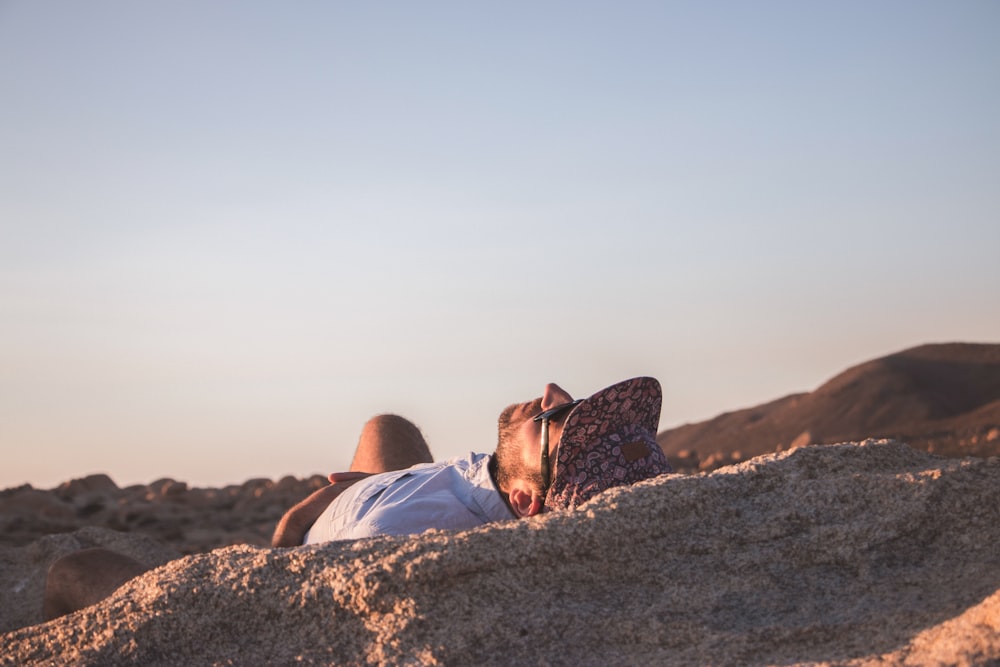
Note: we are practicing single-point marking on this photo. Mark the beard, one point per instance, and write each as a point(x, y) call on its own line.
point(510, 447)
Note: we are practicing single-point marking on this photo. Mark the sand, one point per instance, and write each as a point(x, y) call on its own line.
point(869, 553)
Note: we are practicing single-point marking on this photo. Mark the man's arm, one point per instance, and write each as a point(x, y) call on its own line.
point(297, 521)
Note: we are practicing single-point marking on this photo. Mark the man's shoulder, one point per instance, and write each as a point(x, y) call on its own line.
point(468, 460)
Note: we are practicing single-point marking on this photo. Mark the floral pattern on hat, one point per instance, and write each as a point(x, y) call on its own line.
point(609, 440)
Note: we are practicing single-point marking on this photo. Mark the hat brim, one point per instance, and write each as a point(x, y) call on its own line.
point(608, 440)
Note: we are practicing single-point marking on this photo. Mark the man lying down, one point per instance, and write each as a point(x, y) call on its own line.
point(552, 453)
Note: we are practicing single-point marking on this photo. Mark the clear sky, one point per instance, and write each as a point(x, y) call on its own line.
point(232, 231)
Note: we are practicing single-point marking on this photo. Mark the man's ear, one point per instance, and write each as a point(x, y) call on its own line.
point(524, 502)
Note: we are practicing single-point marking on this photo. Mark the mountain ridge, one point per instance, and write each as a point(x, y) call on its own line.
point(943, 398)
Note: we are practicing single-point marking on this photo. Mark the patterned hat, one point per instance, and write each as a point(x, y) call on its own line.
point(609, 440)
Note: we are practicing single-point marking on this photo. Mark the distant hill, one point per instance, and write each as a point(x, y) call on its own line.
point(942, 398)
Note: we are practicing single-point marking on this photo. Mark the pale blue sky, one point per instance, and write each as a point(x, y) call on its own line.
point(232, 231)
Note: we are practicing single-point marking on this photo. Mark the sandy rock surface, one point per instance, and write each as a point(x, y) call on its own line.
point(845, 554)
point(22, 570)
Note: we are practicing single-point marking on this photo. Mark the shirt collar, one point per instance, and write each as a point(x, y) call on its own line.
point(485, 492)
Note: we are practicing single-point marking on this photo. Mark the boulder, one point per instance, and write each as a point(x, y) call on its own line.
point(23, 569)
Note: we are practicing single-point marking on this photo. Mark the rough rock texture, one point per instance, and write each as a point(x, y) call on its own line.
point(846, 554)
point(24, 569)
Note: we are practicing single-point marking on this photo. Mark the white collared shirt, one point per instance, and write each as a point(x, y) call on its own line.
point(453, 495)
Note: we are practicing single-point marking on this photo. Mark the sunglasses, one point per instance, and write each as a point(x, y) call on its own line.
point(544, 417)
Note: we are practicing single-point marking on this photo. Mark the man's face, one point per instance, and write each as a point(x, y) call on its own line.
point(519, 431)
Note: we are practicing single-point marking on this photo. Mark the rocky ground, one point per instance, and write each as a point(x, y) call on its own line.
point(191, 520)
point(852, 554)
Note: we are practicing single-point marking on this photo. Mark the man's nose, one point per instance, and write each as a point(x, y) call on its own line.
point(554, 395)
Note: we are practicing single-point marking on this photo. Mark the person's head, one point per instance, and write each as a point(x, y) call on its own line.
point(518, 454)
point(606, 440)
